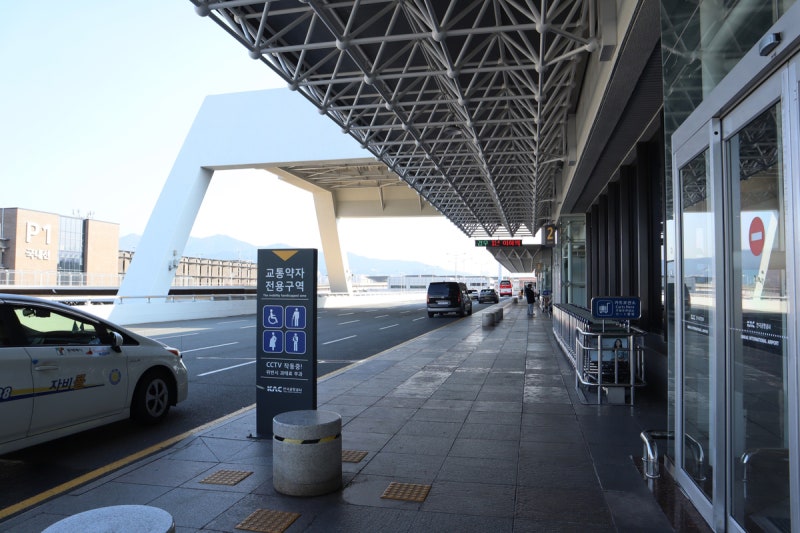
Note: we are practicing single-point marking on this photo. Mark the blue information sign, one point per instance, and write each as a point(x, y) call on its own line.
point(616, 307)
point(286, 359)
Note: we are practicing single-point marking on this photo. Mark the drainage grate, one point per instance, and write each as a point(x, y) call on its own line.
point(226, 477)
point(267, 521)
point(409, 492)
point(353, 456)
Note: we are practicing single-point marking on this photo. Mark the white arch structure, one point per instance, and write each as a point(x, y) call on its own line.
point(274, 130)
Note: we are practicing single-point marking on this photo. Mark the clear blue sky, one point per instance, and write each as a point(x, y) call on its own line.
point(96, 98)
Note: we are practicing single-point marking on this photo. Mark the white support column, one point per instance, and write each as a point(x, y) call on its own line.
point(240, 130)
point(161, 247)
point(325, 206)
point(335, 256)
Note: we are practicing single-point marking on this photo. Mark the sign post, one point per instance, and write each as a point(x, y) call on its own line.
point(286, 347)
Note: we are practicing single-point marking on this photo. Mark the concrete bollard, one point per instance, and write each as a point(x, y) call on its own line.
point(487, 320)
point(307, 452)
point(499, 311)
point(498, 315)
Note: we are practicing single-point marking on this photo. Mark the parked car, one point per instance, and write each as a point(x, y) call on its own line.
point(448, 297)
point(63, 371)
point(488, 295)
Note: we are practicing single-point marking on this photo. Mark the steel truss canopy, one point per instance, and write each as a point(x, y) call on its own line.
point(466, 101)
point(519, 258)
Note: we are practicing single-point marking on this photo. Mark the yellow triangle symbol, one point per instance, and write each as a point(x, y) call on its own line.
point(284, 254)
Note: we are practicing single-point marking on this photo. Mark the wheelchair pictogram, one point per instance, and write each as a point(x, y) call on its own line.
point(273, 316)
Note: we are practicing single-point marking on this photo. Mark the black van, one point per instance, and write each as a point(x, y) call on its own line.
point(448, 297)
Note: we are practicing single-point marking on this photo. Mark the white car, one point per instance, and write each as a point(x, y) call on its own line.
point(63, 371)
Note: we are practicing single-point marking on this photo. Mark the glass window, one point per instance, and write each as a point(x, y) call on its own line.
point(70, 245)
point(44, 326)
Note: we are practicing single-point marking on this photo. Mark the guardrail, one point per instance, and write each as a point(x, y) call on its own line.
point(615, 368)
point(608, 357)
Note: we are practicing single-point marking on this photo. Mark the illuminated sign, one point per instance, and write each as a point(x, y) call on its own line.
point(550, 235)
point(491, 243)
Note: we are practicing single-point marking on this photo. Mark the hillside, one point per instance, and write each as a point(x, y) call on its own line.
point(225, 247)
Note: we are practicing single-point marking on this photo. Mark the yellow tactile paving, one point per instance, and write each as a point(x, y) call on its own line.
point(226, 477)
point(409, 492)
point(353, 456)
point(268, 521)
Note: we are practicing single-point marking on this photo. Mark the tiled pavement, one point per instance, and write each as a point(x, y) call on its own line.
point(486, 416)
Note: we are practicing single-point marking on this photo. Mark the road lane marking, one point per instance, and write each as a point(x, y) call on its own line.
point(348, 322)
point(209, 347)
point(175, 336)
point(420, 318)
point(345, 314)
point(381, 316)
point(387, 327)
point(342, 339)
point(214, 357)
point(226, 368)
point(232, 321)
point(247, 327)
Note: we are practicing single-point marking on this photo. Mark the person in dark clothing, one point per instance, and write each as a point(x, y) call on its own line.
point(530, 297)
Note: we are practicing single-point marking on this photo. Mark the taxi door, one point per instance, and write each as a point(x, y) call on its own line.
point(16, 387)
point(75, 377)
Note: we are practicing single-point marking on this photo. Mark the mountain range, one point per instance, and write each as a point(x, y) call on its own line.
point(228, 248)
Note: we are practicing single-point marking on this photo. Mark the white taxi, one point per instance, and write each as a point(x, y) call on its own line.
point(63, 371)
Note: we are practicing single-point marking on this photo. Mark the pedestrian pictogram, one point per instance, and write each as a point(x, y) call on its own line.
point(296, 342)
point(273, 341)
point(296, 317)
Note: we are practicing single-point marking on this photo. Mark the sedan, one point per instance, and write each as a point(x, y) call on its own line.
point(488, 295)
point(63, 371)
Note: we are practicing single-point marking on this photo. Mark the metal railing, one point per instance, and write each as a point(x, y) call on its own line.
point(611, 361)
point(650, 456)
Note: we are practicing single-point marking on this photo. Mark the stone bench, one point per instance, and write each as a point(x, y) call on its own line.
point(139, 518)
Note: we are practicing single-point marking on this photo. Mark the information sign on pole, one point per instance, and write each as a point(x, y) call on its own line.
point(286, 347)
point(616, 308)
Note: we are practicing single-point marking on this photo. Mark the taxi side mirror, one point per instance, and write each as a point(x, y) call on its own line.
point(116, 341)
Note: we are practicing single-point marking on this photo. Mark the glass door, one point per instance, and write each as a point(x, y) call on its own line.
point(759, 311)
point(697, 316)
point(736, 292)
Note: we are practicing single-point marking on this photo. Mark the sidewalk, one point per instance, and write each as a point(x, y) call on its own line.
point(487, 417)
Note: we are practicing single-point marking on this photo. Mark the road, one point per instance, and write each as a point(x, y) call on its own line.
point(220, 356)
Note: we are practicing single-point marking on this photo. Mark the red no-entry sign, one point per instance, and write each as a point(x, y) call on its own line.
point(756, 234)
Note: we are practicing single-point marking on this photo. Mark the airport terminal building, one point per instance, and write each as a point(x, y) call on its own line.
point(659, 139)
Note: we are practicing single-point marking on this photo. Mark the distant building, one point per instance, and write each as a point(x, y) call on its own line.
point(46, 249)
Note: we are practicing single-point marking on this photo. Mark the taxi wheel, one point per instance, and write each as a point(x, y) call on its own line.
point(151, 400)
